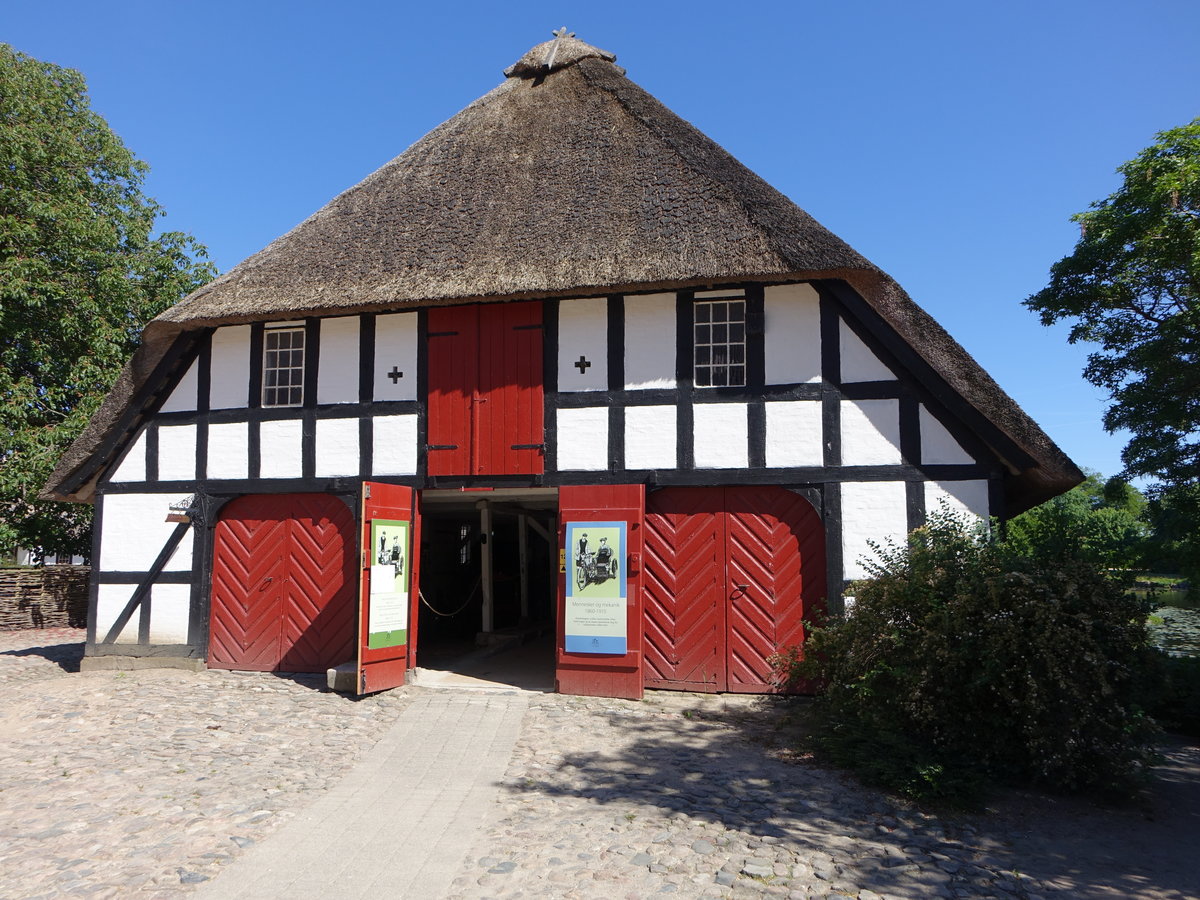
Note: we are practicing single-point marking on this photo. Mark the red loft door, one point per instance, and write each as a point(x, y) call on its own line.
point(485, 390)
point(732, 575)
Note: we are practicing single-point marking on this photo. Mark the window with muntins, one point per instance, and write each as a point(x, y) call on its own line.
point(283, 367)
point(719, 342)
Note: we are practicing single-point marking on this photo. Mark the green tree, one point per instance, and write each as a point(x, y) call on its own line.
point(1100, 521)
point(81, 272)
point(1132, 287)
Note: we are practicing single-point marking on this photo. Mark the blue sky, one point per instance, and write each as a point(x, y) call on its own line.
point(949, 142)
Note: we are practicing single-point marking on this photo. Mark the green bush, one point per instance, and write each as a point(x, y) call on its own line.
point(964, 664)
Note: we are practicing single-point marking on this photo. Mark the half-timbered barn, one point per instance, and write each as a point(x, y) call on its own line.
point(564, 361)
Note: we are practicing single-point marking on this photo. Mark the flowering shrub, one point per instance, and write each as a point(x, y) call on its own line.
point(964, 664)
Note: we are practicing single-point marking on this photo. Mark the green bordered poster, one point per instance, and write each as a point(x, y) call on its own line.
point(596, 609)
point(387, 611)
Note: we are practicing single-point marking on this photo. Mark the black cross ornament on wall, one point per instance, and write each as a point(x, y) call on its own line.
point(395, 374)
point(582, 364)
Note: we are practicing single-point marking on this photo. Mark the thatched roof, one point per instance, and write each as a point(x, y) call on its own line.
point(565, 179)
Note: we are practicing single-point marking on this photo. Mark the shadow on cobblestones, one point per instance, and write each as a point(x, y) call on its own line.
point(65, 656)
point(729, 769)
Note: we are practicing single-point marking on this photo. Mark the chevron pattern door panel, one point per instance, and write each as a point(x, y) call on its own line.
point(683, 589)
point(776, 571)
point(732, 574)
point(283, 584)
point(319, 612)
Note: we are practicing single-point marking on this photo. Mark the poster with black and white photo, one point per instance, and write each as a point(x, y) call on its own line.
point(596, 613)
point(387, 611)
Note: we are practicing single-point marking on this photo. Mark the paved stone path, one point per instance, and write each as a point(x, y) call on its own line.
point(400, 824)
point(159, 783)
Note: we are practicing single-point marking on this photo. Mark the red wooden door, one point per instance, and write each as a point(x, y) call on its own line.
point(385, 656)
point(684, 589)
point(749, 561)
point(604, 675)
point(485, 390)
point(776, 579)
point(509, 435)
point(453, 366)
point(283, 584)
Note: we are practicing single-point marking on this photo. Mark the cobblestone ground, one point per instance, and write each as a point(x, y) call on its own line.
point(147, 782)
point(698, 797)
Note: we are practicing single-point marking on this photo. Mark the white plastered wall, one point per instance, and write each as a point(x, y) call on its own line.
point(133, 466)
point(176, 452)
point(871, 511)
point(583, 334)
point(720, 436)
point(134, 529)
point(337, 371)
point(110, 601)
point(859, 362)
point(794, 434)
point(229, 379)
point(870, 432)
point(582, 439)
point(228, 450)
point(938, 446)
point(651, 440)
point(968, 498)
point(183, 397)
point(396, 351)
point(650, 341)
point(170, 610)
point(394, 445)
point(792, 334)
point(337, 448)
point(280, 449)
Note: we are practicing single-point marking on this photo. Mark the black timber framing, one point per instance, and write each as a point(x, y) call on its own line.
point(882, 336)
point(916, 384)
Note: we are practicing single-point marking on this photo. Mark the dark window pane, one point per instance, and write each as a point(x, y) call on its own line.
point(720, 334)
point(702, 312)
point(702, 356)
point(703, 334)
point(720, 376)
point(737, 353)
point(720, 355)
point(703, 378)
point(737, 375)
point(737, 332)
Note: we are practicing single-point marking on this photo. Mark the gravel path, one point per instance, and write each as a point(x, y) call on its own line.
point(147, 783)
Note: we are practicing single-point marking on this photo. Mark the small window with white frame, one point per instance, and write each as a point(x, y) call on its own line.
point(719, 342)
point(283, 366)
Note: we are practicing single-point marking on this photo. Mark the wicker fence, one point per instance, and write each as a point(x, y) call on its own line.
point(44, 597)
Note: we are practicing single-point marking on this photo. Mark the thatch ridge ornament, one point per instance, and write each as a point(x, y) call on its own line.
point(563, 51)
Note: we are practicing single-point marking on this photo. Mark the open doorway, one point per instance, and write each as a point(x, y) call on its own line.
point(487, 587)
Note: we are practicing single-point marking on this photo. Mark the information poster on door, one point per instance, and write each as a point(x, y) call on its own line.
point(596, 594)
point(387, 610)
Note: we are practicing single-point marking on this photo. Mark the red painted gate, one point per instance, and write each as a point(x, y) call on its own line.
point(485, 390)
point(732, 574)
point(283, 584)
